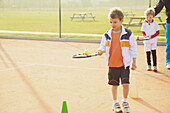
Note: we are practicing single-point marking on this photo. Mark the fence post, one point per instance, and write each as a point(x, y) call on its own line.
point(60, 18)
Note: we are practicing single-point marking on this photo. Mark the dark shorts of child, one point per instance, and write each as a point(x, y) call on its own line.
point(117, 73)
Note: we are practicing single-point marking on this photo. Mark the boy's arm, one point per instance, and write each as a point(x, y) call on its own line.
point(155, 35)
point(133, 46)
point(157, 28)
point(102, 45)
point(133, 50)
point(143, 33)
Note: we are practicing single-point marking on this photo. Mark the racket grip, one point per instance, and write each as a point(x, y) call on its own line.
point(99, 52)
point(146, 37)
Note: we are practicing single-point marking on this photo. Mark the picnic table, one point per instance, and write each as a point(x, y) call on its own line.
point(82, 16)
point(141, 19)
point(128, 13)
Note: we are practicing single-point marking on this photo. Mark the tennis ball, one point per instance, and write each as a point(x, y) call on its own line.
point(99, 52)
point(87, 52)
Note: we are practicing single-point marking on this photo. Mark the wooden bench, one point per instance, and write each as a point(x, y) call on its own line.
point(133, 24)
point(128, 13)
point(161, 23)
point(82, 16)
point(141, 19)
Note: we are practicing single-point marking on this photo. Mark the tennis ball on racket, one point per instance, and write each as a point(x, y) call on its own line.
point(87, 52)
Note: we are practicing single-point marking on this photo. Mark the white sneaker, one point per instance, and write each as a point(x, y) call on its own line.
point(126, 107)
point(155, 68)
point(116, 108)
point(168, 65)
point(149, 68)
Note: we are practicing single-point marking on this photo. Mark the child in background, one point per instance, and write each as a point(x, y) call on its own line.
point(150, 29)
point(120, 46)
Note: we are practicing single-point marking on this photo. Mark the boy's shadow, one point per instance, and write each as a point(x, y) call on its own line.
point(156, 77)
point(141, 101)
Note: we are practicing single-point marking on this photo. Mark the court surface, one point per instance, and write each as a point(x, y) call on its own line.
point(37, 76)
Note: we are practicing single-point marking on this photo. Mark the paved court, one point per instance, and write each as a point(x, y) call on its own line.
point(36, 76)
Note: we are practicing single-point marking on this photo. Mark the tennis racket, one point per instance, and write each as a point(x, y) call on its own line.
point(85, 54)
point(143, 38)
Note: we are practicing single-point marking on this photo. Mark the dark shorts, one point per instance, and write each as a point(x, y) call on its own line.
point(117, 73)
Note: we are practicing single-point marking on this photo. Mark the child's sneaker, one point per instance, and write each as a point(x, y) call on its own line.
point(155, 68)
point(168, 66)
point(149, 68)
point(126, 107)
point(116, 108)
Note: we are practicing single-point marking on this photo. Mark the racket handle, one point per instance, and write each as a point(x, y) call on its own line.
point(99, 52)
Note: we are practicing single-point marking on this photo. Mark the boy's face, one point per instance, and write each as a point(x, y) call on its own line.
point(149, 18)
point(116, 23)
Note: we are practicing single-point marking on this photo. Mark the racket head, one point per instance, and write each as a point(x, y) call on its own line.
point(84, 55)
point(144, 38)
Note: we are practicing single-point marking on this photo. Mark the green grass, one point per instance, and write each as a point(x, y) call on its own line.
point(47, 21)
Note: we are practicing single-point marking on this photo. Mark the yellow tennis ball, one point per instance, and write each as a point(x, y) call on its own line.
point(86, 52)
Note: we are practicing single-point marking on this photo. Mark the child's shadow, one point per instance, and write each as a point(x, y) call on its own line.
point(141, 101)
point(163, 74)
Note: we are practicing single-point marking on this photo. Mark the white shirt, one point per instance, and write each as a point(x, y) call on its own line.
point(127, 52)
point(150, 29)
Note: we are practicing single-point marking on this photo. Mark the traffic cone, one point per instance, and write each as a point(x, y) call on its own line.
point(64, 107)
point(133, 89)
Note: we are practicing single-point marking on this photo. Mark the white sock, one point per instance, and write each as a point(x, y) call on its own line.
point(124, 100)
point(115, 101)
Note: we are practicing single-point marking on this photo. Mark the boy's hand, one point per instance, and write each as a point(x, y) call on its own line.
point(100, 52)
point(148, 37)
point(134, 64)
point(133, 67)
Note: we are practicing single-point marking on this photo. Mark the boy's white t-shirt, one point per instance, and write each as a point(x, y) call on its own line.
point(150, 30)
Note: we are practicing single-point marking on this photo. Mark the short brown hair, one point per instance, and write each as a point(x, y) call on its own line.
point(116, 13)
point(150, 11)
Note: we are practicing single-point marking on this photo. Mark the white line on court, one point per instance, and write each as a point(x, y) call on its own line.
point(76, 67)
point(52, 33)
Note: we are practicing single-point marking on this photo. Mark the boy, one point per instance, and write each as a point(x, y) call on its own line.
point(150, 29)
point(120, 45)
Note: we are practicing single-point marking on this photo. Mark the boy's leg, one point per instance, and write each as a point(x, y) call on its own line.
point(148, 56)
point(113, 76)
point(125, 96)
point(147, 46)
point(116, 107)
point(168, 45)
point(153, 49)
point(154, 60)
point(125, 91)
point(125, 82)
point(114, 93)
